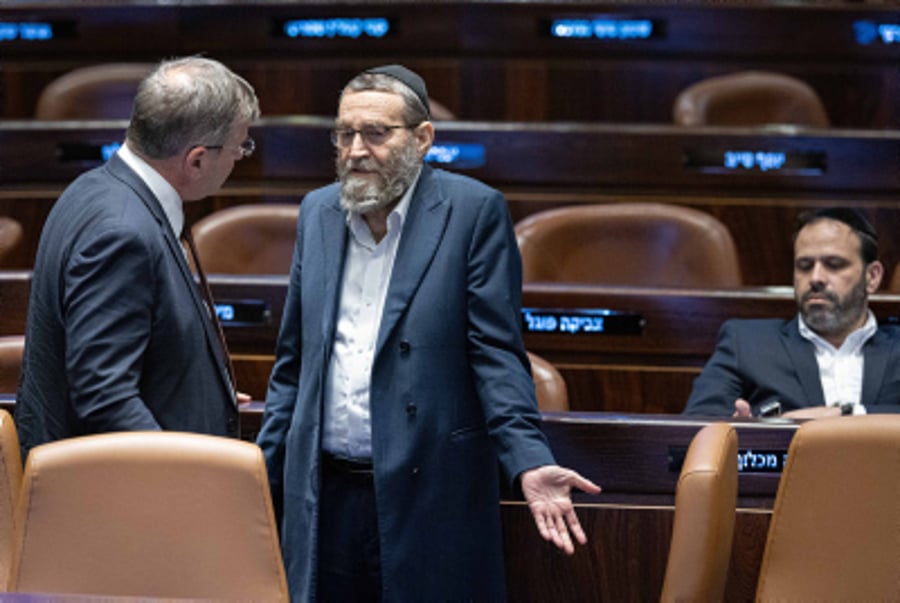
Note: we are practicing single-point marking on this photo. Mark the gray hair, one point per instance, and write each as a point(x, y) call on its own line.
point(414, 112)
point(186, 102)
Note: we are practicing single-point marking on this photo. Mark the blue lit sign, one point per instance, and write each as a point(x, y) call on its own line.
point(461, 155)
point(108, 150)
point(716, 160)
point(30, 31)
point(337, 28)
point(243, 313)
point(602, 29)
point(748, 461)
point(867, 32)
point(748, 160)
point(578, 321)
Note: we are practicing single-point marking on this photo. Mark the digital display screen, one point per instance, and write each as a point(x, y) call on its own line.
point(749, 461)
point(869, 32)
point(35, 31)
point(460, 155)
point(763, 161)
point(336, 27)
point(581, 321)
point(603, 28)
point(82, 151)
point(243, 313)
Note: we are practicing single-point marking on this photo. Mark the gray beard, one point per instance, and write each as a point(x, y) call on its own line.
point(841, 316)
point(394, 178)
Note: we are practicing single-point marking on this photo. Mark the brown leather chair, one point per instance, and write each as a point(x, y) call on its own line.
point(549, 385)
point(628, 244)
point(894, 286)
point(705, 501)
point(833, 534)
point(10, 483)
point(103, 91)
point(750, 98)
point(11, 348)
point(248, 239)
point(149, 514)
point(11, 234)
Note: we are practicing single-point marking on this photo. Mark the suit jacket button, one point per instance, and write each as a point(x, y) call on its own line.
point(415, 471)
point(232, 425)
point(411, 409)
point(404, 347)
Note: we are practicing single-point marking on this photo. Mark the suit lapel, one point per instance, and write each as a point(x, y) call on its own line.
point(803, 357)
point(332, 227)
point(124, 173)
point(422, 232)
point(875, 358)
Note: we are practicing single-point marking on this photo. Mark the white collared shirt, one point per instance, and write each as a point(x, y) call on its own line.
point(841, 369)
point(347, 425)
point(164, 192)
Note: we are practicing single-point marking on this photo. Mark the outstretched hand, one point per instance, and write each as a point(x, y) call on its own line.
point(547, 490)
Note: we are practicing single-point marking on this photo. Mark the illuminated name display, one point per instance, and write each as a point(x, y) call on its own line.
point(25, 31)
point(581, 322)
point(868, 32)
point(767, 161)
point(748, 461)
point(243, 313)
point(337, 28)
point(460, 155)
point(603, 29)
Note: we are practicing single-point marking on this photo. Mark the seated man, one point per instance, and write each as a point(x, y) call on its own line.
point(832, 358)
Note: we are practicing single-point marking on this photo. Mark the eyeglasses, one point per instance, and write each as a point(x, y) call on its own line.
point(373, 136)
point(246, 148)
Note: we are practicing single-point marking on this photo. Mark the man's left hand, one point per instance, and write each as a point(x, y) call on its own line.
point(547, 490)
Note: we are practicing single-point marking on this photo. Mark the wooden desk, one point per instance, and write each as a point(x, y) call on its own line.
point(537, 166)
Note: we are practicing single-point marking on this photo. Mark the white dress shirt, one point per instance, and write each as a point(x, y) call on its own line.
point(164, 192)
point(841, 369)
point(347, 426)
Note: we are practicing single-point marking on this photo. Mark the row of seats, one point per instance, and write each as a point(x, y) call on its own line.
point(831, 535)
point(744, 98)
point(139, 514)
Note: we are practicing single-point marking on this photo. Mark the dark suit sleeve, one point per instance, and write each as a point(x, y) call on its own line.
point(720, 383)
point(497, 355)
point(282, 393)
point(108, 307)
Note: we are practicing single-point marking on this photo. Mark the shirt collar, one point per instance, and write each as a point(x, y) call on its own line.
point(164, 192)
point(395, 220)
point(854, 340)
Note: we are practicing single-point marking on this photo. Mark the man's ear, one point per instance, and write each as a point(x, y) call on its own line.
point(424, 134)
point(192, 164)
point(874, 274)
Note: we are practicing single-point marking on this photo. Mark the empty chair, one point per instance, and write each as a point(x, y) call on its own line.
point(628, 244)
point(11, 348)
point(705, 501)
point(150, 514)
point(833, 534)
point(248, 239)
point(549, 385)
point(750, 98)
point(10, 482)
point(10, 238)
point(103, 91)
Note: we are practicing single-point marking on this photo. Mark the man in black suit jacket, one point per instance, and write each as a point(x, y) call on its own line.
point(830, 359)
point(118, 335)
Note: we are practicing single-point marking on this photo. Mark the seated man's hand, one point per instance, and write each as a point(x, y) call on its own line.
point(741, 408)
point(813, 412)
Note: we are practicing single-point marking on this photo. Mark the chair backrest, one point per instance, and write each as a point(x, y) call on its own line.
point(750, 98)
point(833, 534)
point(154, 514)
point(549, 385)
point(248, 239)
point(11, 234)
point(11, 348)
point(894, 286)
point(705, 501)
point(103, 91)
point(10, 483)
point(628, 244)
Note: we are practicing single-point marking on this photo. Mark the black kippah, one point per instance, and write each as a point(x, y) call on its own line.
point(412, 80)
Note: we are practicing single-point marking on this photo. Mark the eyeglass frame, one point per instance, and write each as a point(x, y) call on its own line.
point(247, 147)
point(336, 132)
